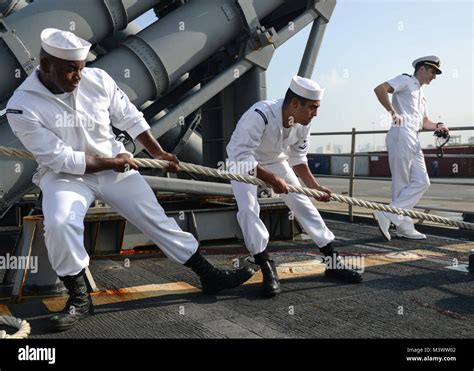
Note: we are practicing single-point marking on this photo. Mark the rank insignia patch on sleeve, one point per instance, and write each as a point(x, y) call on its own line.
point(15, 111)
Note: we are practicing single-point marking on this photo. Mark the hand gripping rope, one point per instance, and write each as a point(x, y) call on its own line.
point(163, 164)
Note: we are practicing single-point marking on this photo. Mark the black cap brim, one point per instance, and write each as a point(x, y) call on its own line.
point(438, 71)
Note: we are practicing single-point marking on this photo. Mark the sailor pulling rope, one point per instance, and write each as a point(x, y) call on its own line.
point(202, 170)
point(79, 160)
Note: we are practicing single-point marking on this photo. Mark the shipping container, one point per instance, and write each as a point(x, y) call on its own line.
point(341, 165)
point(319, 164)
point(437, 167)
point(378, 165)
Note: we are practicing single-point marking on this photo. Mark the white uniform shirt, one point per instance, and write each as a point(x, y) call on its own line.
point(59, 135)
point(409, 101)
point(256, 142)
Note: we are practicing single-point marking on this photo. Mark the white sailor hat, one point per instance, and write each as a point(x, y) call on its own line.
point(306, 88)
point(64, 45)
point(430, 60)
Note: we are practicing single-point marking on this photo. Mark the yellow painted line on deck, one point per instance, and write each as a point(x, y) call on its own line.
point(127, 294)
point(459, 247)
point(314, 267)
point(4, 311)
point(285, 271)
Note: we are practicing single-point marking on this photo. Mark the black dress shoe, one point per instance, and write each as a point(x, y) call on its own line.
point(78, 306)
point(344, 274)
point(214, 279)
point(271, 284)
point(336, 268)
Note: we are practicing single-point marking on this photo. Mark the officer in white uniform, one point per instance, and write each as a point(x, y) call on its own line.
point(271, 141)
point(407, 163)
point(62, 113)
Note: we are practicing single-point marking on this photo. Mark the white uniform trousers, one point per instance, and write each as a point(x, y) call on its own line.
point(410, 179)
point(67, 197)
point(255, 234)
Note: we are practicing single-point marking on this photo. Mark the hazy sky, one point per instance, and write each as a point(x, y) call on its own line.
point(368, 42)
point(371, 41)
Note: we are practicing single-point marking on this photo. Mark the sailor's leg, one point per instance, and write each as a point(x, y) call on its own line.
point(133, 198)
point(66, 200)
point(313, 224)
point(130, 195)
point(255, 235)
point(409, 178)
point(302, 207)
point(253, 229)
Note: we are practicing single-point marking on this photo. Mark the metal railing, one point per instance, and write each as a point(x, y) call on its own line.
point(352, 169)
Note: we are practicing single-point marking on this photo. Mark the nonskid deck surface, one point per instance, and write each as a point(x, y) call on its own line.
point(411, 289)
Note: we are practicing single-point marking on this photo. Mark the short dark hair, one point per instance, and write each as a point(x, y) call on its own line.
point(44, 54)
point(289, 97)
point(423, 64)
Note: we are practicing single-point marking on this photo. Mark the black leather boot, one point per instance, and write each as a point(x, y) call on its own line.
point(78, 306)
point(214, 279)
point(271, 284)
point(335, 267)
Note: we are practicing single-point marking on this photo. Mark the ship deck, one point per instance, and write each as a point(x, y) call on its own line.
point(411, 289)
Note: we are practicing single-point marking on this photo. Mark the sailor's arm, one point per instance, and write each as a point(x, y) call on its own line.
point(382, 91)
point(156, 151)
point(126, 117)
point(123, 162)
point(278, 184)
point(47, 148)
point(241, 148)
point(304, 173)
point(430, 125)
point(298, 159)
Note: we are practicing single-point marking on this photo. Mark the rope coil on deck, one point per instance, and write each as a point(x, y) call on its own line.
point(23, 327)
point(217, 173)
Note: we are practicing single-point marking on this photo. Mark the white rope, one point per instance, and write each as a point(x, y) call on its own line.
point(23, 327)
point(197, 169)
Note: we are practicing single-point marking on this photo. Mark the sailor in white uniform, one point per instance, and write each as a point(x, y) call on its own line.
point(62, 113)
point(407, 163)
point(271, 141)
